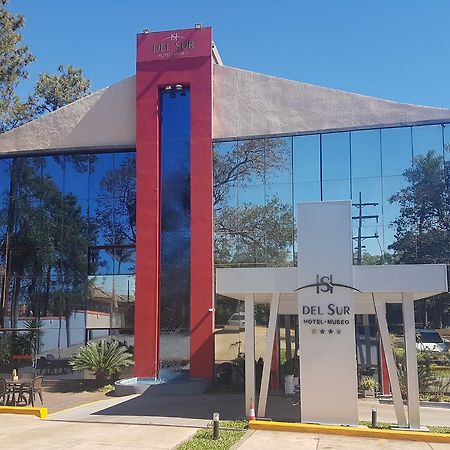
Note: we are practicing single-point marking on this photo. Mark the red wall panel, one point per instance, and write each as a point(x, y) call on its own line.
point(169, 58)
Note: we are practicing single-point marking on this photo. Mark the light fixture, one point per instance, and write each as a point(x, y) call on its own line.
point(168, 88)
point(146, 30)
point(179, 87)
point(198, 26)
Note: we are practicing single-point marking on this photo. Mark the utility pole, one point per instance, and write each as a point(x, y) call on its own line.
point(367, 360)
point(360, 217)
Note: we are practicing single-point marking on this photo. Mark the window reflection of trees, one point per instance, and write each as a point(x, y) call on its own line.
point(116, 219)
point(252, 233)
point(422, 228)
point(46, 232)
point(45, 235)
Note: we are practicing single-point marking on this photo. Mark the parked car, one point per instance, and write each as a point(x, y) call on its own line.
point(237, 319)
point(428, 339)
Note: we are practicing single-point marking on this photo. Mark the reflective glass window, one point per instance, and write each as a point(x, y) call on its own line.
point(251, 160)
point(396, 150)
point(52, 169)
point(101, 175)
point(336, 189)
point(336, 156)
point(427, 138)
point(367, 219)
point(76, 174)
point(225, 182)
point(366, 154)
point(306, 153)
point(102, 221)
point(278, 161)
point(251, 195)
point(447, 142)
point(175, 228)
point(306, 192)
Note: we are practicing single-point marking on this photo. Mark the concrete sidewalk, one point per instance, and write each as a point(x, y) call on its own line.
point(26, 432)
point(273, 440)
point(197, 410)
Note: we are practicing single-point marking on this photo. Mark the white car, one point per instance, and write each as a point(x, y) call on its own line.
point(237, 319)
point(428, 339)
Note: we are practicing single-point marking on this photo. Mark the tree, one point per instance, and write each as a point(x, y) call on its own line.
point(14, 61)
point(50, 92)
point(33, 210)
point(118, 219)
point(422, 229)
point(251, 233)
point(54, 91)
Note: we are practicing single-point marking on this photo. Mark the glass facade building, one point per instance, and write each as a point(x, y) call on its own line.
point(115, 210)
point(258, 182)
point(68, 227)
point(391, 175)
point(68, 221)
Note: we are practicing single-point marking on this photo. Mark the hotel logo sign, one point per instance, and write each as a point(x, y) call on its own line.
point(173, 45)
point(325, 284)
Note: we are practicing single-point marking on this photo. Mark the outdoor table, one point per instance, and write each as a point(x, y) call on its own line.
point(16, 387)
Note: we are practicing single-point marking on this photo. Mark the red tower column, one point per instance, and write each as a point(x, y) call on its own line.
point(169, 58)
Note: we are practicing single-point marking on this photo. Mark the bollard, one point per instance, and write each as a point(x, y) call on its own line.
point(216, 426)
point(374, 416)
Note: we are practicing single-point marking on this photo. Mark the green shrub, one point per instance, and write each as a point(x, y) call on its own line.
point(424, 371)
point(368, 383)
point(105, 359)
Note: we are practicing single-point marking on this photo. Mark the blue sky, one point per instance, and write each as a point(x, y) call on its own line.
point(398, 50)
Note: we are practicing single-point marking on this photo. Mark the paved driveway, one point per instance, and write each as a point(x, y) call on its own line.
point(26, 432)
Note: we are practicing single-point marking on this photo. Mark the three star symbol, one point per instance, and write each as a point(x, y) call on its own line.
point(330, 331)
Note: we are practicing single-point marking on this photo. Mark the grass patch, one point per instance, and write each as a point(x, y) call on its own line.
point(231, 431)
point(386, 426)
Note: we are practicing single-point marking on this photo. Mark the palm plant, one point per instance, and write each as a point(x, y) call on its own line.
point(424, 373)
point(105, 359)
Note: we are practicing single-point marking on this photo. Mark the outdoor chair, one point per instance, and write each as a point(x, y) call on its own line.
point(31, 389)
point(3, 391)
point(42, 364)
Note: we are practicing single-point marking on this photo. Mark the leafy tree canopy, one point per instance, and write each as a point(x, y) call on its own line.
point(14, 61)
point(422, 229)
point(250, 233)
point(50, 92)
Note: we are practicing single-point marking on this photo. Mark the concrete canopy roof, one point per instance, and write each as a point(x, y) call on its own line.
point(246, 104)
point(391, 283)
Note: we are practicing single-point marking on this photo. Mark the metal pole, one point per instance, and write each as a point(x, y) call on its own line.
point(216, 434)
point(374, 416)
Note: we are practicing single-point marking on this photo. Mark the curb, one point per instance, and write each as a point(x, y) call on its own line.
point(351, 431)
point(422, 404)
point(42, 413)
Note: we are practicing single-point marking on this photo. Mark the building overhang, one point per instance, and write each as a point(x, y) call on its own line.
point(392, 284)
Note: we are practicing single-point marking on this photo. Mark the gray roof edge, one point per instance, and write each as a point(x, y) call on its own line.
point(335, 130)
